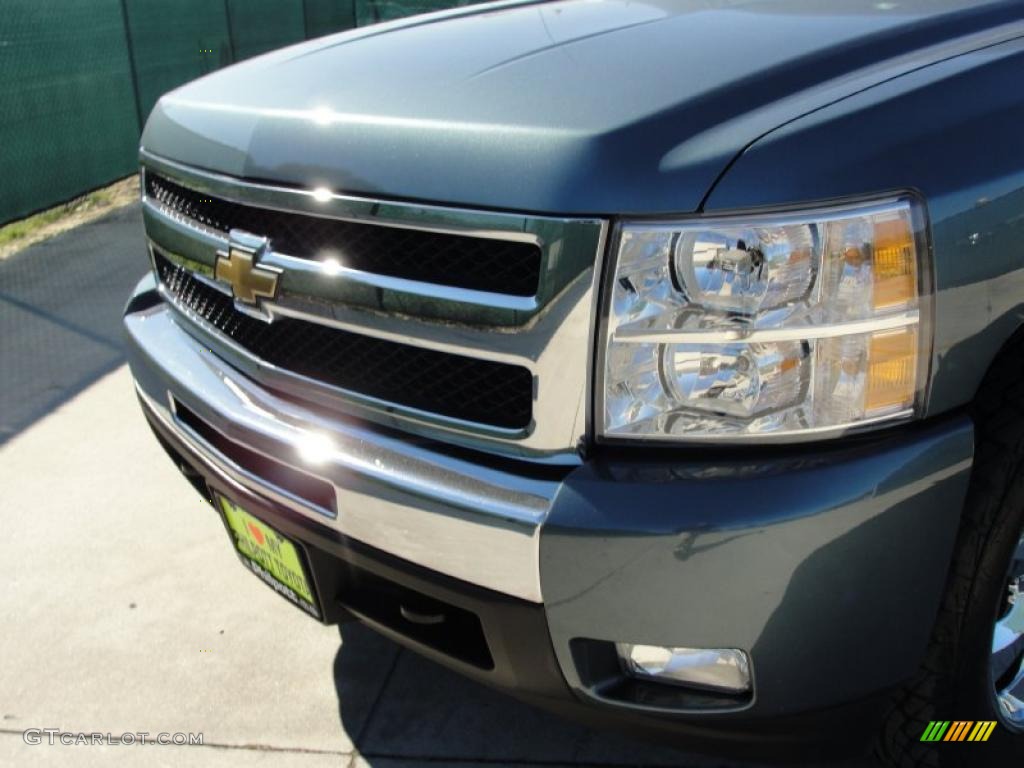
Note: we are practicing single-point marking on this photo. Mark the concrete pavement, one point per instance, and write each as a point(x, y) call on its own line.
point(124, 609)
point(60, 306)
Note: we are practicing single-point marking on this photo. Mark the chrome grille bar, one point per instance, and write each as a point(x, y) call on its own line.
point(549, 334)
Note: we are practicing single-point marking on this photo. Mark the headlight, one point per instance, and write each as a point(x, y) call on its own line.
point(769, 326)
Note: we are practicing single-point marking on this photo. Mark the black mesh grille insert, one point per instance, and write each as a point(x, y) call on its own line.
point(476, 263)
point(460, 387)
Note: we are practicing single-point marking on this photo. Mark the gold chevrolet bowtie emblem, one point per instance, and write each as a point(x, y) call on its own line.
point(249, 281)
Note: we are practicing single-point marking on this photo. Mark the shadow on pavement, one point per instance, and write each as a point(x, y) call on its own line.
point(60, 314)
point(399, 708)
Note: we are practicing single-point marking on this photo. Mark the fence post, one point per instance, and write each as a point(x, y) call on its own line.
point(231, 32)
point(131, 64)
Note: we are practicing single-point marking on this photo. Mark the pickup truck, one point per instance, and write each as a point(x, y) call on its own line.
point(659, 363)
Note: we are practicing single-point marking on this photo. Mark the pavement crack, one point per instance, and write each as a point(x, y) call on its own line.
point(358, 740)
point(207, 744)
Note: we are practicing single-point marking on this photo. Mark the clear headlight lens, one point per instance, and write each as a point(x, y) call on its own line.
point(746, 269)
point(769, 326)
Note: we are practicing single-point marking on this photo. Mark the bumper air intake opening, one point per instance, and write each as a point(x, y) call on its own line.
point(189, 472)
point(440, 626)
point(308, 488)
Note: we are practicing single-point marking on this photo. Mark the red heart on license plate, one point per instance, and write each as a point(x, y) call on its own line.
point(256, 534)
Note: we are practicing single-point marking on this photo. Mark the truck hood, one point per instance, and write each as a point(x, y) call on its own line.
point(595, 107)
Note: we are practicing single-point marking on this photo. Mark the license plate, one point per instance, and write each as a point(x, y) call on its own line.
point(270, 556)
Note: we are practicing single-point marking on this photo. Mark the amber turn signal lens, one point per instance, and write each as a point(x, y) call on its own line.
point(892, 370)
point(895, 263)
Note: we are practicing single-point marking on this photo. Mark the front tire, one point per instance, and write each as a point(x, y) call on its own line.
point(963, 678)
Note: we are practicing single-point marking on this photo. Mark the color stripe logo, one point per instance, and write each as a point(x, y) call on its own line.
point(958, 730)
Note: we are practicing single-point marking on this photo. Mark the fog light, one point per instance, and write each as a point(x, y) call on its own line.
point(718, 669)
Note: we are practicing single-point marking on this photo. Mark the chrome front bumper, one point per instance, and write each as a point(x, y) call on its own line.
point(466, 520)
point(575, 559)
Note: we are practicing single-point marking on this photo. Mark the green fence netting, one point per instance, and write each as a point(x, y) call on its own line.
point(258, 26)
point(78, 77)
point(174, 42)
point(325, 16)
point(67, 109)
point(373, 11)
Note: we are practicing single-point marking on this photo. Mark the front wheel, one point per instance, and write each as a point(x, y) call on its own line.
point(1006, 664)
point(965, 707)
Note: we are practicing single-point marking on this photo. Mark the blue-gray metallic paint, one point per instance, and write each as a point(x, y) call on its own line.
point(637, 108)
point(825, 567)
point(570, 107)
point(953, 132)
